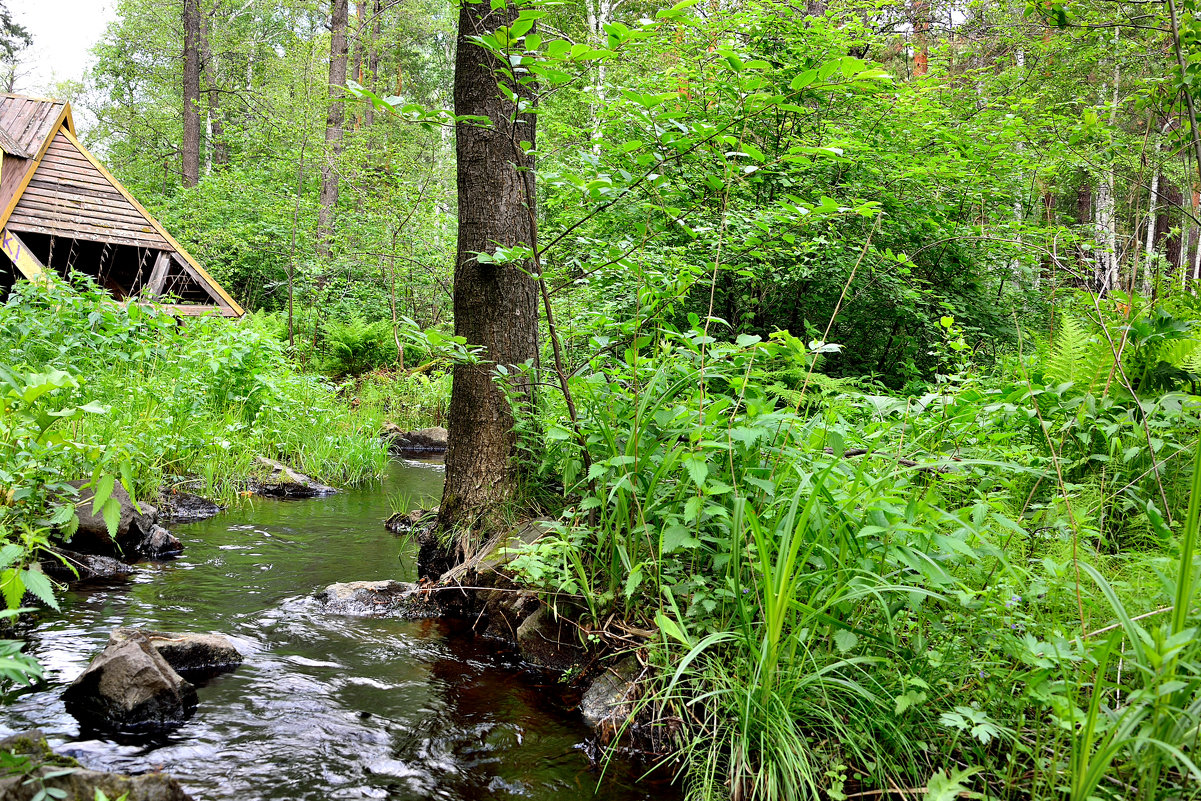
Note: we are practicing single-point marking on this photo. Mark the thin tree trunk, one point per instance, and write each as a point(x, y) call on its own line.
point(921, 27)
point(218, 152)
point(333, 125)
point(372, 62)
point(495, 305)
point(190, 149)
point(356, 58)
point(1107, 225)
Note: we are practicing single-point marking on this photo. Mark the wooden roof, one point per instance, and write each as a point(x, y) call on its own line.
point(28, 121)
point(52, 188)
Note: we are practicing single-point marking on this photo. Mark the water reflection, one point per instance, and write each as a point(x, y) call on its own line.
point(323, 707)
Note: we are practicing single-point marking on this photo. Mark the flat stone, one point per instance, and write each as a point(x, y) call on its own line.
point(80, 784)
point(85, 567)
point(184, 507)
point(284, 482)
point(423, 440)
point(379, 599)
point(609, 699)
point(191, 655)
point(130, 687)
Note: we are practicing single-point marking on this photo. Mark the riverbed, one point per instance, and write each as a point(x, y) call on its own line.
point(324, 707)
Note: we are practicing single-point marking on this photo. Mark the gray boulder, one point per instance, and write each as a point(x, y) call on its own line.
point(281, 481)
point(130, 687)
point(609, 700)
point(548, 642)
point(423, 440)
point(414, 522)
point(379, 599)
point(54, 771)
point(191, 655)
point(138, 533)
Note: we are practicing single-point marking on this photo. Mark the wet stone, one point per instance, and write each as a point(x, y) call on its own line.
point(65, 778)
point(192, 655)
point(378, 599)
point(129, 687)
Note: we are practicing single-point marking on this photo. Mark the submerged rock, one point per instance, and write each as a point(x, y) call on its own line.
point(190, 655)
point(130, 687)
point(55, 772)
point(609, 700)
point(284, 482)
point(423, 440)
point(73, 567)
point(183, 507)
point(379, 599)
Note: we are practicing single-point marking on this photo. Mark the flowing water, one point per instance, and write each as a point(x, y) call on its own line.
point(324, 707)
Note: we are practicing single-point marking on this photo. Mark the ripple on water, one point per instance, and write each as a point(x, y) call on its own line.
point(322, 707)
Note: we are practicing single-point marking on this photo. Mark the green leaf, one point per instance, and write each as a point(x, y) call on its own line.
point(39, 584)
point(112, 516)
point(671, 629)
point(698, 469)
point(845, 640)
point(103, 489)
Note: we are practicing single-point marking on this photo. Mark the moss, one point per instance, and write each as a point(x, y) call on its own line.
point(32, 744)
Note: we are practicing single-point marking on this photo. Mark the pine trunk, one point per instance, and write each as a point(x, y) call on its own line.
point(495, 305)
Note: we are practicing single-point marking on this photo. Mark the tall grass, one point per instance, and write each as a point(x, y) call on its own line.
point(192, 402)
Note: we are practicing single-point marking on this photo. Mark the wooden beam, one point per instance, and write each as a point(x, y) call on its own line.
point(206, 285)
point(30, 266)
point(158, 275)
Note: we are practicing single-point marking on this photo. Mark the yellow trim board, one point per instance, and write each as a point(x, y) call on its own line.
point(29, 265)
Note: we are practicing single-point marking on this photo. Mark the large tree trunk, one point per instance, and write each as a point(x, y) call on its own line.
point(333, 125)
point(191, 93)
point(495, 305)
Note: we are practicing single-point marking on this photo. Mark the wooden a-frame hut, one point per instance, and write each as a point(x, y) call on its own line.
point(60, 209)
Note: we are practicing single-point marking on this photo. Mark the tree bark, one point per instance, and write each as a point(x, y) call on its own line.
point(372, 62)
point(218, 150)
point(495, 305)
point(338, 54)
point(190, 150)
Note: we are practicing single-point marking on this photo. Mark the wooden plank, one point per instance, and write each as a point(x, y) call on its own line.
point(158, 275)
point(214, 288)
point(12, 146)
point(51, 177)
point(29, 265)
point(73, 192)
point(11, 175)
point(36, 206)
point(100, 235)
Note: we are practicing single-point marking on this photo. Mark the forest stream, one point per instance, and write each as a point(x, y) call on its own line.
point(324, 707)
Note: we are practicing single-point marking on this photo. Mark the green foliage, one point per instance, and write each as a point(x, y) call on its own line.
point(153, 401)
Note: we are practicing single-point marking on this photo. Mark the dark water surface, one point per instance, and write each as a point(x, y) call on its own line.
point(325, 707)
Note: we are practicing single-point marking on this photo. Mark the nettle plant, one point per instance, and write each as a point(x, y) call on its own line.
point(39, 457)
